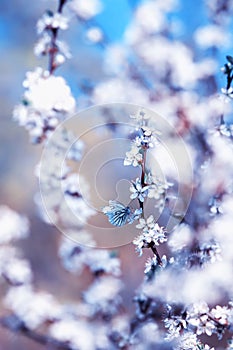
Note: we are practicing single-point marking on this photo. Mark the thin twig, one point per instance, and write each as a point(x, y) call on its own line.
point(53, 49)
point(143, 165)
point(155, 251)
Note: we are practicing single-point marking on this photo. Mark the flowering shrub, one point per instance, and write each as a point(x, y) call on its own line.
point(182, 221)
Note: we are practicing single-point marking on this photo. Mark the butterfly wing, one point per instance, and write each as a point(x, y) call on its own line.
point(119, 217)
point(119, 213)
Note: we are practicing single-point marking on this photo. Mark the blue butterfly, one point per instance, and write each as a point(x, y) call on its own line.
point(118, 214)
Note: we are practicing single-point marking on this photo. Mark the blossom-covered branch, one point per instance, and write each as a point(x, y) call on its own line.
point(145, 186)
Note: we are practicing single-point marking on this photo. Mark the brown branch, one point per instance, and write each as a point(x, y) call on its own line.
point(155, 251)
point(143, 165)
point(53, 49)
point(60, 6)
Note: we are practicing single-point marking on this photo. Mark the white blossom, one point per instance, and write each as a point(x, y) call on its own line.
point(78, 206)
point(63, 48)
point(228, 92)
point(42, 45)
point(133, 157)
point(138, 190)
point(49, 93)
point(147, 224)
point(13, 225)
point(198, 317)
point(151, 263)
point(221, 314)
point(17, 271)
point(76, 150)
point(76, 256)
point(149, 238)
point(190, 341)
point(52, 21)
point(76, 333)
point(174, 326)
point(47, 101)
point(141, 117)
point(13, 268)
point(147, 137)
point(120, 89)
point(33, 308)
point(86, 9)
point(211, 35)
point(180, 237)
point(157, 188)
point(103, 295)
point(94, 34)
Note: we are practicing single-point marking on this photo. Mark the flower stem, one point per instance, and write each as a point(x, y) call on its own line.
point(155, 251)
point(60, 6)
point(53, 49)
point(143, 165)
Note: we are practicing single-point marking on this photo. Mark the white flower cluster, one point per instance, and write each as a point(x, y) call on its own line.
point(67, 206)
point(146, 137)
point(103, 295)
point(153, 188)
point(75, 256)
point(86, 9)
point(13, 268)
point(13, 225)
point(138, 190)
point(152, 234)
point(48, 44)
point(73, 188)
point(51, 20)
point(74, 332)
point(152, 263)
point(189, 341)
point(228, 92)
point(225, 129)
point(94, 35)
point(211, 36)
point(46, 102)
point(33, 308)
point(157, 189)
point(133, 157)
point(200, 319)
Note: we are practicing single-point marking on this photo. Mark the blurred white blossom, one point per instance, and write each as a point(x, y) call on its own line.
point(94, 34)
point(48, 93)
point(211, 35)
point(52, 20)
point(103, 295)
point(13, 225)
point(33, 308)
point(86, 9)
point(74, 332)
